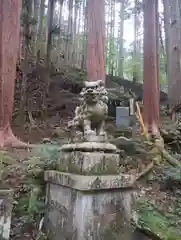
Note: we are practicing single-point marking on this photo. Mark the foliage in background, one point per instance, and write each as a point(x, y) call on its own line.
point(153, 222)
point(29, 204)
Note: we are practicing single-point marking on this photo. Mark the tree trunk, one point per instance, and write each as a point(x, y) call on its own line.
point(174, 68)
point(40, 28)
point(79, 37)
point(135, 57)
point(46, 73)
point(35, 28)
point(42, 12)
point(9, 37)
point(111, 38)
point(84, 56)
point(108, 27)
point(49, 31)
point(68, 49)
point(121, 40)
point(60, 14)
point(157, 52)
point(162, 46)
point(25, 63)
point(96, 61)
point(60, 50)
point(74, 38)
point(151, 82)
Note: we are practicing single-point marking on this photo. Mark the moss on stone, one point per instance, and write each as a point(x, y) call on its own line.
point(150, 220)
point(88, 164)
point(103, 168)
point(97, 169)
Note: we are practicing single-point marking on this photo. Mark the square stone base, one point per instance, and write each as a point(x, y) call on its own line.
point(6, 205)
point(88, 207)
point(89, 163)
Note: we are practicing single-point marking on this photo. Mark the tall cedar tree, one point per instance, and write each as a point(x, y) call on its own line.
point(96, 59)
point(9, 41)
point(151, 66)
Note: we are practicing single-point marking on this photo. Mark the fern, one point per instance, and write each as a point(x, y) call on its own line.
point(7, 164)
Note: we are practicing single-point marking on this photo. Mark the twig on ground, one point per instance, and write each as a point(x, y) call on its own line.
point(32, 121)
point(145, 171)
point(159, 143)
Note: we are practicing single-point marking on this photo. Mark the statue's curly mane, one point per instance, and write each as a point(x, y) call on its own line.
point(92, 109)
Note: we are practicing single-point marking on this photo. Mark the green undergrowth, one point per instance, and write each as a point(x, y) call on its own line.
point(171, 179)
point(154, 223)
point(29, 204)
point(45, 158)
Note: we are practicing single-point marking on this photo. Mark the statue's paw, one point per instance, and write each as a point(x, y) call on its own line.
point(90, 132)
point(102, 134)
point(70, 124)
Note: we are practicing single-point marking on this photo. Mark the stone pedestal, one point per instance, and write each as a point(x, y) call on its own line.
point(89, 158)
point(6, 205)
point(88, 207)
point(87, 199)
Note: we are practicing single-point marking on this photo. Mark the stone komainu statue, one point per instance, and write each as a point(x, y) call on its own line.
point(91, 114)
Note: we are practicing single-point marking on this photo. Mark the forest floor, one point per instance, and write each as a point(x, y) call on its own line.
point(159, 189)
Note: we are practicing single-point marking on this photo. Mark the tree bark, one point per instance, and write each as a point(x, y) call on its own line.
point(74, 36)
point(84, 56)
point(35, 29)
point(68, 48)
point(151, 72)
point(49, 32)
point(96, 61)
point(9, 38)
point(167, 40)
point(135, 56)
point(60, 48)
point(157, 52)
point(40, 27)
point(121, 40)
point(174, 54)
point(27, 54)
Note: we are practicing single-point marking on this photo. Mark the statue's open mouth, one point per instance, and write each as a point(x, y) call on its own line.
point(90, 116)
point(90, 91)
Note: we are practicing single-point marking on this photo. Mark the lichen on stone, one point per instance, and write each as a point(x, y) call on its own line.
point(150, 220)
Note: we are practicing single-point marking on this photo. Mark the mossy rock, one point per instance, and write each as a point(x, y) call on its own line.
point(125, 144)
point(152, 222)
point(47, 151)
point(126, 132)
point(171, 178)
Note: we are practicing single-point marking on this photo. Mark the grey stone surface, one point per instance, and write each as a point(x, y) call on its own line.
point(122, 117)
point(125, 144)
point(6, 204)
point(90, 116)
point(95, 204)
point(131, 106)
point(123, 111)
point(90, 215)
point(87, 198)
point(89, 158)
point(89, 146)
point(89, 162)
point(87, 183)
point(95, 138)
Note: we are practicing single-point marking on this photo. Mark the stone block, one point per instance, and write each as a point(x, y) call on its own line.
point(122, 117)
point(88, 207)
point(6, 204)
point(89, 183)
point(89, 147)
point(89, 163)
point(89, 158)
point(126, 144)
